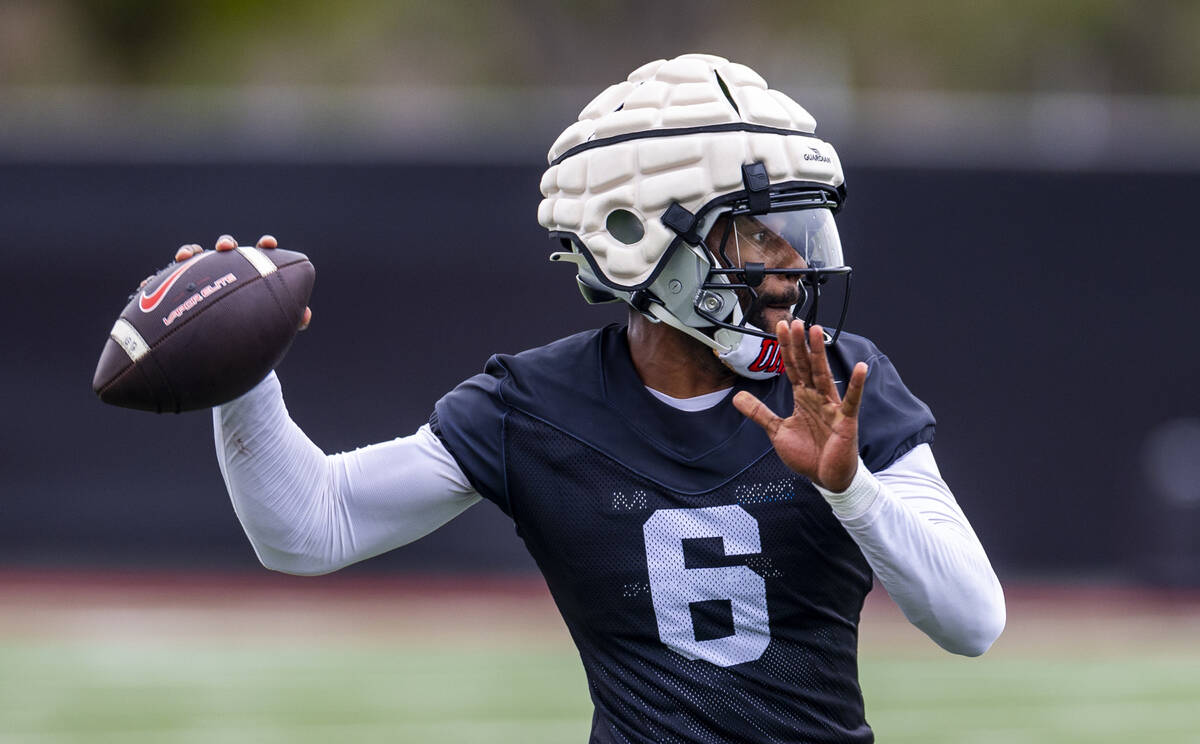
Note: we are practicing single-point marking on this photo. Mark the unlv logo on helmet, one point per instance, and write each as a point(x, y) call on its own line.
point(769, 359)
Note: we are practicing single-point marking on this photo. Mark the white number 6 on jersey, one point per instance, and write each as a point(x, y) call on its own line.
point(673, 587)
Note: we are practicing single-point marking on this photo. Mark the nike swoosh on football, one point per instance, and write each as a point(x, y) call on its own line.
point(147, 302)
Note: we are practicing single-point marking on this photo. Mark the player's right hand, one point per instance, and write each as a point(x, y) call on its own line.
point(227, 243)
point(820, 438)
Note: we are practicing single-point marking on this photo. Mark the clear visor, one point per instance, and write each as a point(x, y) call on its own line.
point(781, 265)
point(773, 238)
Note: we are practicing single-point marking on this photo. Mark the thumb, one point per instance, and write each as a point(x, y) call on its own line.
point(757, 411)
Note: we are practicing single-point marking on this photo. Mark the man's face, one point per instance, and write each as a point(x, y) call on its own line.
point(750, 241)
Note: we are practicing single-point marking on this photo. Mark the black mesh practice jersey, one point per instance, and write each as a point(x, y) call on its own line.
point(713, 595)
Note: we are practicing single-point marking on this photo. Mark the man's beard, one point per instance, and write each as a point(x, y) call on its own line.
point(757, 314)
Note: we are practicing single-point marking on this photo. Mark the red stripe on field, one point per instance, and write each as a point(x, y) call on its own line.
point(508, 585)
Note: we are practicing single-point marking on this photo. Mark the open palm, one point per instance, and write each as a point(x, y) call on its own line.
point(820, 439)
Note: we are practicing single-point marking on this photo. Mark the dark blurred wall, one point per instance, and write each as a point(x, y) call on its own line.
point(1047, 318)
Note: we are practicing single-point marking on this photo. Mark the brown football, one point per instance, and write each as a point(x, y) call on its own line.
point(205, 331)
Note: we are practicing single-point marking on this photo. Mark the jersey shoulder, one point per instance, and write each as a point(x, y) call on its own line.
point(568, 366)
point(891, 420)
point(470, 418)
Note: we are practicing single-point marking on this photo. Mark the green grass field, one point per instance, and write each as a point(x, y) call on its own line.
point(284, 662)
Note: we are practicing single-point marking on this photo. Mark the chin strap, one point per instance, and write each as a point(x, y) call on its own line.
point(747, 355)
point(659, 313)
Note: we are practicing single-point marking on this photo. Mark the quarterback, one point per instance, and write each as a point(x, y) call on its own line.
point(709, 489)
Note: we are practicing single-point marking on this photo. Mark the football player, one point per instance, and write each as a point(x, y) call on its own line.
point(709, 489)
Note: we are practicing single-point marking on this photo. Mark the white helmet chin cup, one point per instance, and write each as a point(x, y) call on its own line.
point(674, 137)
point(750, 356)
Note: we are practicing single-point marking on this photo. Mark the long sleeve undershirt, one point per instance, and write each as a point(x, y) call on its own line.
point(309, 513)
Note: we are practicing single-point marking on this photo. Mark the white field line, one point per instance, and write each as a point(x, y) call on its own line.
point(1102, 718)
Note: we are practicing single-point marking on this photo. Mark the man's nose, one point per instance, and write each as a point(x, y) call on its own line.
point(779, 288)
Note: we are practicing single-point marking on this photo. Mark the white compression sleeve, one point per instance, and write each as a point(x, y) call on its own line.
point(306, 512)
point(918, 542)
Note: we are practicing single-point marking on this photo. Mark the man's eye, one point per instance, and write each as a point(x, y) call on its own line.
point(760, 236)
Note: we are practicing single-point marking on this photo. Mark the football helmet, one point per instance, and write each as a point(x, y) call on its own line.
point(668, 176)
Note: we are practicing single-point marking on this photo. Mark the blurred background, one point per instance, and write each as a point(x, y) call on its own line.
point(1021, 218)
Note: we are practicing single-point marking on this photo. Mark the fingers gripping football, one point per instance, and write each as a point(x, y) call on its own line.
point(820, 438)
point(205, 329)
point(227, 243)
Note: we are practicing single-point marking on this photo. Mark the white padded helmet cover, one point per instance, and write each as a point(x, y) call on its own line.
point(644, 175)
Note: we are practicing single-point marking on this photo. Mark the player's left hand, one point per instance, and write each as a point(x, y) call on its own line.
point(820, 439)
